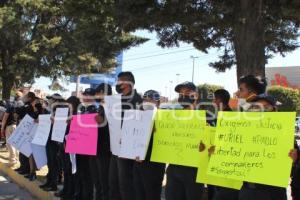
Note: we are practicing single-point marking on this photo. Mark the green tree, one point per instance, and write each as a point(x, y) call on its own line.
point(246, 32)
point(206, 91)
point(288, 97)
point(57, 37)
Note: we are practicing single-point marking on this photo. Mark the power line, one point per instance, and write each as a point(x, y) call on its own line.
point(151, 52)
point(204, 57)
point(154, 66)
point(155, 55)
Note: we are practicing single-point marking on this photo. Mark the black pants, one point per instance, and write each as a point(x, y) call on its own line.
point(52, 151)
point(211, 192)
point(99, 166)
point(222, 193)
point(71, 181)
point(114, 189)
point(24, 163)
point(86, 186)
point(295, 184)
point(181, 184)
point(262, 193)
point(148, 177)
point(125, 168)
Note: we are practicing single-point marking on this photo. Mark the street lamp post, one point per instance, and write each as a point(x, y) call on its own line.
point(177, 80)
point(171, 82)
point(193, 57)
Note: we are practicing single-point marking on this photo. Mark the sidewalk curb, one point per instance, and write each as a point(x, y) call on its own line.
point(31, 187)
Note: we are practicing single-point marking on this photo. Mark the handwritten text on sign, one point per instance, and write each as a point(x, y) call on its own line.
point(177, 136)
point(202, 176)
point(23, 135)
point(253, 146)
point(136, 133)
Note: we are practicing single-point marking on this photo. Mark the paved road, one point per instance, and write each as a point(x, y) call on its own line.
point(11, 191)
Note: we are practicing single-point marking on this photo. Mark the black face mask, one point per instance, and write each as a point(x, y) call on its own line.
point(118, 88)
point(185, 101)
point(98, 100)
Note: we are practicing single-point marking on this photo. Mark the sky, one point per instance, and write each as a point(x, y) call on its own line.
point(162, 69)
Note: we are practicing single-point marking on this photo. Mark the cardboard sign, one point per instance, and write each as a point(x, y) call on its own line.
point(60, 124)
point(83, 135)
point(177, 137)
point(113, 112)
point(252, 146)
point(136, 133)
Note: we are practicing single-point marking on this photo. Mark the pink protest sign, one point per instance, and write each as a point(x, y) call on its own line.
point(83, 135)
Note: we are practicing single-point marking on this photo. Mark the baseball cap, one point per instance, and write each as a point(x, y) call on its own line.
point(89, 92)
point(186, 84)
point(152, 94)
point(55, 96)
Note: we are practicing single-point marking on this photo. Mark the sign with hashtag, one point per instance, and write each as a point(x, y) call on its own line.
point(177, 137)
point(202, 176)
point(254, 147)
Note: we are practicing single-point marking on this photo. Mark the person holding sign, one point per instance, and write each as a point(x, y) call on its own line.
point(221, 100)
point(38, 109)
point(53, 148)
point(28, 108)
point(71, 181)
point(148, 176)
point(103, 148)
point(124, 167)
point(252, 98)
point(86, 164)
point(181, 180)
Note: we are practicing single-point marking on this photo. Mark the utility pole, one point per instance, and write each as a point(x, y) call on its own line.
point(171, 83)
point(193, 57)
point(177, 78)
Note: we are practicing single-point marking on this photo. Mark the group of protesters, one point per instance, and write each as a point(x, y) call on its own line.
point(109, 177)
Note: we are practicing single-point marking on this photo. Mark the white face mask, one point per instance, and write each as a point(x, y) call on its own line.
point(243, 104)
point(148, 106)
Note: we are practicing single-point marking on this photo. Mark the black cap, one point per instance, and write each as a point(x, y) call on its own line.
point(55, 96)
point(89, 92)
point(152, 94)
point(186, 84)
point(104, 88)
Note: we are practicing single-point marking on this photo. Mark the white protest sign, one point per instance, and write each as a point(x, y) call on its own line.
point(136, 133)
point(43, 130)
point(60, 124)
point(26, 149)
point(21, 135)
point(113, 112)
point(39, 155)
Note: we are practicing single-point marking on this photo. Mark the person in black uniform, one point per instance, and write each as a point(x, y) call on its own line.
point(252, 92)
point(103, 157)
point(148, 176)
point(181, 180)
point(221, 100)
point(86, 165)
point(28, 108)
point(52, 148)
point(38, 109)
point(124, 167)
point(71, 181)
